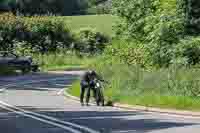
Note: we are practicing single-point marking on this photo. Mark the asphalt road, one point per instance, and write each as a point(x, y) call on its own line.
point(35, 104)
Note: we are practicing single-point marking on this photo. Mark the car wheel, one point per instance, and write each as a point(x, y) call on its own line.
point(35, 68)
point(26, 68)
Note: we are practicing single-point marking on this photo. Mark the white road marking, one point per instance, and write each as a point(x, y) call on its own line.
point(61, 85)
point(39, 119)
point(47, 117)
point(127, 131)
point(33, 81)
point(24, 112)
point(2, 90)
point(60, 92)
point(40, 88)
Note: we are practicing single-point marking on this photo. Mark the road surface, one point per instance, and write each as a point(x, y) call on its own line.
point(35, 104)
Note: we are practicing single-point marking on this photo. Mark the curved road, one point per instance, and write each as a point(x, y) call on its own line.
point(35, 104)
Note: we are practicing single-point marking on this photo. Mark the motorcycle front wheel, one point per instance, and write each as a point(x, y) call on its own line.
point(99, 97)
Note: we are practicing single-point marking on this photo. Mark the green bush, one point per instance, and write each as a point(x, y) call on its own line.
point(162, 40)
point(128, 52)
point(44, 7)
point(43, 35)
point(100, 7)
point(155, 25)
point(38, 35)
point(132, 15)
point(90, 41)
point(7, 31)
point(48, 35)
point(98, 10)
point(189, 50)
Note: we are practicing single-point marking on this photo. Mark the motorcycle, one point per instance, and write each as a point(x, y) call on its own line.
point(98, 87)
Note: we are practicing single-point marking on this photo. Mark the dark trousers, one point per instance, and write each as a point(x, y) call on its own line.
point(86, 87)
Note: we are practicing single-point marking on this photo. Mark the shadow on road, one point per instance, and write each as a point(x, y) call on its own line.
point(111, 120)
point(108, 120)
point(42, 81)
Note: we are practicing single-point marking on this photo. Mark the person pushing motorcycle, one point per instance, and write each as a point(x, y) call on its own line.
point(87, 84)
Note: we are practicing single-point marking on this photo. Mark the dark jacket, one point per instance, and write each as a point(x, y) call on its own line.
point(87, 76)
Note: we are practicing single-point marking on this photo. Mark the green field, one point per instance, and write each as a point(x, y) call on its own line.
point(102, 23)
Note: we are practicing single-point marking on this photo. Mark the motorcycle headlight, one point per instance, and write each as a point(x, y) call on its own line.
point(97, 85)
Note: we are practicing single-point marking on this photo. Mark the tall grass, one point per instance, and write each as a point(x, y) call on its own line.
point(61, 61)
point(166, 88)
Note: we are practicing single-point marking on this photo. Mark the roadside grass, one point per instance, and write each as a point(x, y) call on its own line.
point(75, 89)
point(61, 61)
point(146, 99)
point(172, 88)
point(169, 102)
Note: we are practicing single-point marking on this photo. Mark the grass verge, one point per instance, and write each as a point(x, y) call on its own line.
point(173, 88)
point(148, 100)
point(61, 61)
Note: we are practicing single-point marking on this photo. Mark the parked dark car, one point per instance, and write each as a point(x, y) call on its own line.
point(11, 60)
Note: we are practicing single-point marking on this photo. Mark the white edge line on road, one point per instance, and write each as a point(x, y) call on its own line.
point(2, 90)
point(128, 131)
point(39, 119)
point(44, 116)
point(48, 117)
point(34, 81)
point(60, 92)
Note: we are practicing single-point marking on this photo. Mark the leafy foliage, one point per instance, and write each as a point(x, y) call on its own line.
point(55, 7)
point(133, 14)
point(90, 41)
point(99, 6)
point(189, 51)
point(127, 52)
point(43, 35)
point(156, 25)
point(63, 7)
point(40, 35)
point(193, 17)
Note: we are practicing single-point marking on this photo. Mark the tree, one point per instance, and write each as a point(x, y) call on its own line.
point(193, 16)
point(41, 7)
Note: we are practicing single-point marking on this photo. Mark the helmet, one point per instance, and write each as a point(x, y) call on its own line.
point(92, 72)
